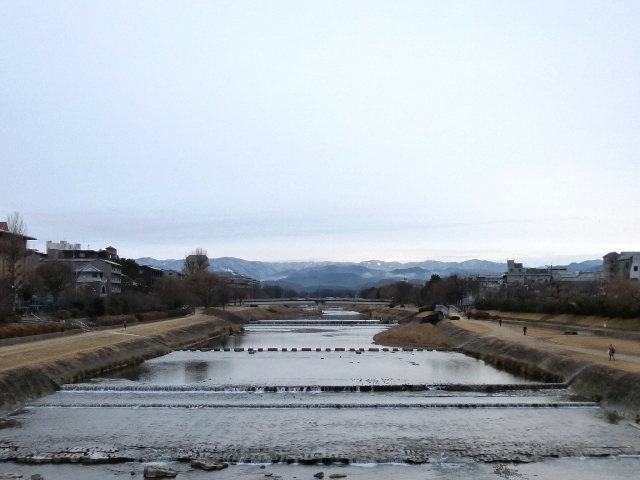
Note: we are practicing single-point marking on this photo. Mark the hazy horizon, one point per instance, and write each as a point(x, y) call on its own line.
point(341, 131)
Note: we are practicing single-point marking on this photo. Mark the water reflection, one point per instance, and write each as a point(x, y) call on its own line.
point(316, 368)
point(161, 423)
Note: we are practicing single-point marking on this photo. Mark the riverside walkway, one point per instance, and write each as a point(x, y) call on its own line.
point(582, 347)
point(62, 348)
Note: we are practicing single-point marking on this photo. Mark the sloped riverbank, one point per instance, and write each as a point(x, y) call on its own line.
point(245, 314)
point(91, 354)
point(411, 334)
point(615, 388)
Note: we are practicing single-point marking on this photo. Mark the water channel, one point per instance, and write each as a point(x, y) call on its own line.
point(367, 414)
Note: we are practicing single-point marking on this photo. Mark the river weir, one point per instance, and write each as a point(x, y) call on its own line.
point(300, 396)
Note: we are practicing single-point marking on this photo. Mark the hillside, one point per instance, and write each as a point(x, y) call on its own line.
point(313, 275)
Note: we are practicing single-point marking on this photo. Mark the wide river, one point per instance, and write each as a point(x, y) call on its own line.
point(389, 414)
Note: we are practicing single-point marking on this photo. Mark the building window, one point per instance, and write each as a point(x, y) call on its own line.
point(635, 268)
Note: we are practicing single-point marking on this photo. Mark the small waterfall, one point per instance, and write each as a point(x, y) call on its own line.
point(324, 405)
point(484, 388)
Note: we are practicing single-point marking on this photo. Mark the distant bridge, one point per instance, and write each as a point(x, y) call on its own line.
point(309, 323)
point(316, 301)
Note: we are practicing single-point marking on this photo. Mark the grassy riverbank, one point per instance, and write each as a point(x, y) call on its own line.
point(411, 334)
point(544, 354)
point(245, 314)
point(584, 366)
point(33, 369)
point(583, 321)
point(383, 312)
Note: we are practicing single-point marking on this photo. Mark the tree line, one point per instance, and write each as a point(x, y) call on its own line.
point(619, 297)
point(437, 290)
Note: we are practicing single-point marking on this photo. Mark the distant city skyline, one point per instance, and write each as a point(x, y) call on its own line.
point(341, 131)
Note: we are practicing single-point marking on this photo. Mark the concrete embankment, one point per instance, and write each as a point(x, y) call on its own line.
point(614, 387)
point(93, 354)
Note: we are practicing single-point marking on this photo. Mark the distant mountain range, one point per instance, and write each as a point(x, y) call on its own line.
point(586, 266)
point(314, 275)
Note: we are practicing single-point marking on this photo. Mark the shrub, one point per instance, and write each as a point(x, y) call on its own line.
point(148, 316)
point(62, 315)
point(178, 312)
point(114, 320)
point(10, 318)
point(97, 307)
point(27, 330)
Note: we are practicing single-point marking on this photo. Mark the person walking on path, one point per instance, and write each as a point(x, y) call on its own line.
point(612, 352)
point(500, 321)
point(125, 324)
point(524, 330)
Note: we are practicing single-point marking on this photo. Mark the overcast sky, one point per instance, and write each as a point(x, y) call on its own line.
point(324, 130)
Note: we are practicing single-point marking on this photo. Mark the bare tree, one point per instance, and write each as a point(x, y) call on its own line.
point(13, 250)
point(242, 294)
point(175, 293)
point(196, 262)
point(205, 286)
point(223, 294)
point(16, 224)
point(402, 293)
point(7, 299)
point(56, 277)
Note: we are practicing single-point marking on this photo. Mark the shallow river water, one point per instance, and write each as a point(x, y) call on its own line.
point(403, 414)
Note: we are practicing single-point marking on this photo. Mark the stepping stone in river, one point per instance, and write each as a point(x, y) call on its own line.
point(207, 464)
point(157, 472)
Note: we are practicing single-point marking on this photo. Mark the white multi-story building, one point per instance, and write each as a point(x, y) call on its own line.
point(62, 245)
point(517, 274)
point(88, 275)
point(239, 281)
point(103, 260)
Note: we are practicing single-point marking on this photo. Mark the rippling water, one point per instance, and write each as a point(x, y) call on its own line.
point(460, 416)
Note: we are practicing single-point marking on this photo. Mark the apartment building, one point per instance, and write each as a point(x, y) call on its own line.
point(517, 274)
point(150, 275)
point(13, 253)
point(240, 282)
point(103, 260)
point(89, 275)
point(621, 265)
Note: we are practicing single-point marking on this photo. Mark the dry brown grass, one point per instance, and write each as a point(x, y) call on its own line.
point(62, 348)
point(414, 334)
point(586, 348)
point(584, 321)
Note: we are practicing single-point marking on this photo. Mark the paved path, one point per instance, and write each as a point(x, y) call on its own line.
point(582, 347)
point(34, 353)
